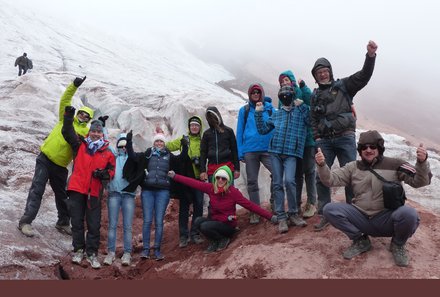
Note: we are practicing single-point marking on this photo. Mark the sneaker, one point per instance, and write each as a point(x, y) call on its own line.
point(158, 255)
point(399, 254)
point(309, 211)
point(109, 258)
point(282, 226)
point(64, 229)
point(183, 241)
point(323, 223)
point(27, 230)
point(126, 259)
point(94, 262)
point(358, 247)
point(223, 243)
point(145, 254)
point(78, 256)
point(254, 218)
point(212, 247)
point(296, 220)
point(197, 239)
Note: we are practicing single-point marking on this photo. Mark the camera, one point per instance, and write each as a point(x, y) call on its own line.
point(196, 161)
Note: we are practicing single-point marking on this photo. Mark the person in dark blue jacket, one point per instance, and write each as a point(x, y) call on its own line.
point(252, 146)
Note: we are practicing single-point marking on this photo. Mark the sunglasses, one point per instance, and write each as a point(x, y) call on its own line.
point(255, 92)
point(84, 114)
point(369, 146)
point(221, 177)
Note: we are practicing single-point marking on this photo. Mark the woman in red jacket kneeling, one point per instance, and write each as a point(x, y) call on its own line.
point(220, 225)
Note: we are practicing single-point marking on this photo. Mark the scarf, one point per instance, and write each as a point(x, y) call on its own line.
point(94, 146)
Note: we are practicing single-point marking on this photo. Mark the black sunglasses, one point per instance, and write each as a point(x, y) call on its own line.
point(370, 146)
point(221, 177)
point(256, 92)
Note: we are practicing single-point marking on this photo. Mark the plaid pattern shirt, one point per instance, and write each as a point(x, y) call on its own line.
point(290, 132)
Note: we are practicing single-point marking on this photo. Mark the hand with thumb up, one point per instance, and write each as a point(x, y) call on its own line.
point(422, 155)
point(319, 158)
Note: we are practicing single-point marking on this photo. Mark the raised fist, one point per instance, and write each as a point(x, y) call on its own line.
point(69, 111)
point(78, 81)
point(103, 119)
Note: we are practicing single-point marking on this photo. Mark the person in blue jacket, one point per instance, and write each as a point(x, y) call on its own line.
point(252, 146)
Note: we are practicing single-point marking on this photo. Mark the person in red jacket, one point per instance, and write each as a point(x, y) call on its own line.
point(220, 225)
point(93, 167)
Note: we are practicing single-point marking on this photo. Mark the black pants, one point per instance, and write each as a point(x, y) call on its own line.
point(196, 198)
point(214, 230)
point(46, 170)
point(22, 68)
point(81, 206)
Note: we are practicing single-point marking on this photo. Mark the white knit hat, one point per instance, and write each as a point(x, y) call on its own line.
point(159, 136)
point(222, 173)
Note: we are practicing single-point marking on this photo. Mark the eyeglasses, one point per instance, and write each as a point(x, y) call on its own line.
point(369, 146)
point(221, 177)
point(322, 71)
point(84, 114)
point(255, 92)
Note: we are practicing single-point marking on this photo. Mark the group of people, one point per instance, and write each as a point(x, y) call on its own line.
point(300, 138)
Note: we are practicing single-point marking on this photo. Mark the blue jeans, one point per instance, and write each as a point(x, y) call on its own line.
point(153, 201)
point(253, 161)
point(115, 202)
point(196, 197)
point(305, 169)
point(343, 147)
point(284, 168)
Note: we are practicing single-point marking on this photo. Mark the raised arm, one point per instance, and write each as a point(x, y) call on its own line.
point(68, 131)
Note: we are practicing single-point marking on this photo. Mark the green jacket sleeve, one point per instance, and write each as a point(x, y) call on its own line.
point(174, 145)
point(66, 100)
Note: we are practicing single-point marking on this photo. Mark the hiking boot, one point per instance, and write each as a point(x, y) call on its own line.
point(322, 224)
point(145, 254)
point(358, 247)
point(78, 256)
point(212, 247)
point(296, 220)
point(254, 218)
point(94, 262)
point(197, 239)
point(64, 229)
point(183, 241)
point(223, 243)
point(282, 226)
point(109, 258)
point(158, 255)
point(399, 254)
point(27, 230)
point(309, 211)
point(126, 259)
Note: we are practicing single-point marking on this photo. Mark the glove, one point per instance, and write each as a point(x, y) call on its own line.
point(274, 220)
point(69, 111)
point(103, 119)
point(101, 174)
point(184, 141)
point(130, 136)
point(78, 81)
point(302, 84)
point(171, 174)
point(259, 107)
point(298, 102)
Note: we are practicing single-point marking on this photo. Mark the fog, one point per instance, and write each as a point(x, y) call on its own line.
point(268, 37)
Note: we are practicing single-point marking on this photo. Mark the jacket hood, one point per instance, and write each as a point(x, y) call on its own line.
point(88, 110)
point(290, 75)
point(371, 137)
point(122, 139)
point(197, 119)
point(212, 111)
point(322, 63)
point(228, 171)
point(256, 87)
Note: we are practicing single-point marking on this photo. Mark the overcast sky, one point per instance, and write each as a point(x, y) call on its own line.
point(280, 34)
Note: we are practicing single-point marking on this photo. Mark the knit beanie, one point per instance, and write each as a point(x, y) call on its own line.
point(195, 120)
point(96, 125)
point(159, 136)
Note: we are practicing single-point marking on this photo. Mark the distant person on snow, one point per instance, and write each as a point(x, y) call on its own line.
point(252, 146)
point(23, 63)
point(368, 215)
point(56, 154)
point(93, 168)
point(221, 222)
point(333, 119)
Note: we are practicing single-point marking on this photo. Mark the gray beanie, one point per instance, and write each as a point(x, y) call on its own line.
point(96, 125)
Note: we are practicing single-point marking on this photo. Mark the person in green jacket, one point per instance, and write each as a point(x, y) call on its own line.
point(55, 156)
point(189, 167)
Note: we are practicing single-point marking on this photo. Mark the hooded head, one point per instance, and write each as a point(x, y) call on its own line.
point(256, 88)
point(122, 140)
point(214, 118)
point(222, 172)
point(320, 64)
point(371, 137)
point(24, 55)
point(195, 120)
point(286, 95)
point(87, 110)
point(289, 75)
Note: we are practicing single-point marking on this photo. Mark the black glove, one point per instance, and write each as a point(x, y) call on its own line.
point(302, 84)
point(129, 136)
point(274, 219)
point(78, 81)
point(184, 141)
point(101, 174)
point(69, 111)
point(103, 119)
